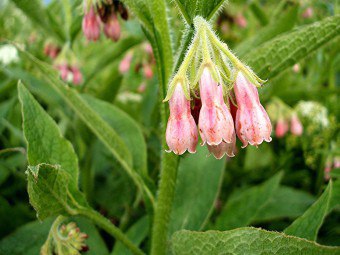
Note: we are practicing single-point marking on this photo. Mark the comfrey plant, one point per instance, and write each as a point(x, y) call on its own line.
point(118, 167)
point(212, 73)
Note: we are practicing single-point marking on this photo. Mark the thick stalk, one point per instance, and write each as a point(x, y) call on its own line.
point(166, 190)
point(105, 224)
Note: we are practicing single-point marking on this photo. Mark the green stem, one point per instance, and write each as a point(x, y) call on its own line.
point(105, 224)
point(166, 191)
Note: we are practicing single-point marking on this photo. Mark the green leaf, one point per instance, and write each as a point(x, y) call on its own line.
point(245, 241)
point(100, 128)
point(198, 183)
point(282, 24)
point(243, 206)
point(191, 8)
point(137, 233)
point(48, 191)
point(285, 203)
point(308, 225)
point(126, 127)
point(274, 56)
point(45, 143)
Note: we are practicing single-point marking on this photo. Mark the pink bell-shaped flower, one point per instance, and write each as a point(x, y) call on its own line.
point(252, 121)
point(112, 28)
point(281, 128)
point(223, 148)
point(91, 25)
point(125, 64)
point(296, 127)
point(181, 131)
point(215, 121)
point(77, 75)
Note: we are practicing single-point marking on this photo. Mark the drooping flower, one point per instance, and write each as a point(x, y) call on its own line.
point(215, 121)
point(181, 131)
point(223, 148)
point(125, 64)
point(112, 28)
point(296, 127)
point(281, 128)
point(77, 75)
point(252, 121)
point(64, 71)
point(91, 25)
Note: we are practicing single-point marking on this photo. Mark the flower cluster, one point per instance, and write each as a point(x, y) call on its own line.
point(68, 67)
point(285, 118)
point(64, 239)
point(98, 12)
point(216, 78)
point(51, 50)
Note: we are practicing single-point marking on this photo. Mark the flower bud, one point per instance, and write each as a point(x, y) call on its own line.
point(252, 121)
point(215, 121)
point(241, 21)
point(281, 128)
point(308, 13)
point(112, 28)
point(64, 71)
point(148, 73)
point(77, 75)
point(91, 25)
point(125, 64)
point(181, 131)
point(296, 127)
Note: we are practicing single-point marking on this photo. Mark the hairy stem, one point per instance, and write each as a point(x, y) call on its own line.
point(105, 224)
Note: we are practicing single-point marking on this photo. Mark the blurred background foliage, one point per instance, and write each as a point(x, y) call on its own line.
point(307, 162)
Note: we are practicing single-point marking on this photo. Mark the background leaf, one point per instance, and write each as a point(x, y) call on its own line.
point(198, 183)
point(277, 26)
point(245, 241)
point(286, 202)
point(243, 206)
point(276, 55)
point(136, 233)
point(126, 127)
point(308, 225)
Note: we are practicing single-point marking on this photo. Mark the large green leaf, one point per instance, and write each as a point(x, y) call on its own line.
point(250, 241)
point(45, 143)
point(100, 128)
point(191, 8)
point(136, 233)
point(286, 202)
point(308, 225)
point(198, 183)
point(29, 238)
point(243, 206)
point(126, 127)
point(276, 55)
point(282, 24)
